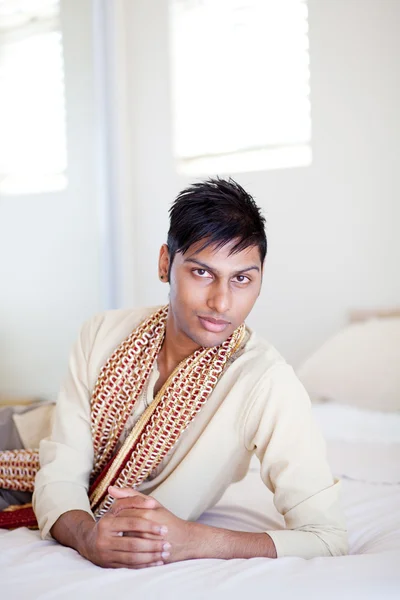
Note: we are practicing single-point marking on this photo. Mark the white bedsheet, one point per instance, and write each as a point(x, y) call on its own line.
point(31, 568)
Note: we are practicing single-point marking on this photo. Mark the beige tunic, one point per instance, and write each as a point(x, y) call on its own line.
point(257, 407)
point(147, 397)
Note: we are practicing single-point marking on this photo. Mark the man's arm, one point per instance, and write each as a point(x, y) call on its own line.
point(60, 498)
point(66, 456)
point(194, 540)
point(213, 542)
point(281, 431)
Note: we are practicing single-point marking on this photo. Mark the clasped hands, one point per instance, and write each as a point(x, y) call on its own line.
point(137, 532)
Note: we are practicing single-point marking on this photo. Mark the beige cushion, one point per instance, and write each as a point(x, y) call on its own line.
point(35, 424)
point(359, 366)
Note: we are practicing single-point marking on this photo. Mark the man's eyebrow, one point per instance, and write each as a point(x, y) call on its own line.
point(208, 268)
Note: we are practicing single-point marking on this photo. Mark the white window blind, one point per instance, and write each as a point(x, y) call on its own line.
point(240, 84)
point(33, 154)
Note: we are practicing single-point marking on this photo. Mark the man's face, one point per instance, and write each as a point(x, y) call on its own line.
point(212, 292)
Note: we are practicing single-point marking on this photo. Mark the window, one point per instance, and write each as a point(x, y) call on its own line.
point(33, 155)
point(240, 85)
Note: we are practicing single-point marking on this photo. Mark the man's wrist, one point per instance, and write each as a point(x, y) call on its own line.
point(73, 529)
point(83, 536)
point(213, 542)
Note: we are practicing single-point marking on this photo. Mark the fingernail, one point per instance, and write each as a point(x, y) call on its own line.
point(166, 546)
point(159, 563)
point(165, 554)
point(163, 530)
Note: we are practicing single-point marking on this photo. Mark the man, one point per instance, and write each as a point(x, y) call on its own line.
point(163, 408)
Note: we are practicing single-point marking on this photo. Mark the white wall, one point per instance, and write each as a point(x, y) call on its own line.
point(50, 276)
point(332, 227)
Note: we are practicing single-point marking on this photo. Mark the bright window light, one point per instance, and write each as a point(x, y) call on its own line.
point(240, 85)
point(33, 153)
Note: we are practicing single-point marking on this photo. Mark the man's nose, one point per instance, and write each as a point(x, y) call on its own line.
point(219, 299)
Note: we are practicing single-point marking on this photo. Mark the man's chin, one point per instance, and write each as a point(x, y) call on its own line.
point(209, 340)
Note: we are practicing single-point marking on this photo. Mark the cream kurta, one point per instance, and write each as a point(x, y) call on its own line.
point(258, 406)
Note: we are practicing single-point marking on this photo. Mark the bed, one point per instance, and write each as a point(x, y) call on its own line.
point(363, 450)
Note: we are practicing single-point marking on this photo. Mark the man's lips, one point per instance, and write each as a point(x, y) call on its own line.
point(213, 325)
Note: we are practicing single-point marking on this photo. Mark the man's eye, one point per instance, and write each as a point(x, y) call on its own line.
point(242, 279)
point(201, 272)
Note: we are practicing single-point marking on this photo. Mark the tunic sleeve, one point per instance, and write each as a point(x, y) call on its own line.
point(281, 430)
point(66, 456)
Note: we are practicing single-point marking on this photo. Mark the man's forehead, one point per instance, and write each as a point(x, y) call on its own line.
point(214, 252)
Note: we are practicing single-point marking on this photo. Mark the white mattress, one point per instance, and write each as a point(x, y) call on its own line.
point(31, 568)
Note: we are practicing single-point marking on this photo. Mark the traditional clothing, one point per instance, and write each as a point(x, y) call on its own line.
point(248, 400)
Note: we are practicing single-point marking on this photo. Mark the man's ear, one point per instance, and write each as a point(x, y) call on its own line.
point(163, 263)
point(262, 277)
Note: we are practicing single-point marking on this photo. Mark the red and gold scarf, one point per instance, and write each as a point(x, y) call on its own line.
point(116, 392)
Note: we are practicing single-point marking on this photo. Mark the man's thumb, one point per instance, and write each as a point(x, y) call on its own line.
point(125, 492)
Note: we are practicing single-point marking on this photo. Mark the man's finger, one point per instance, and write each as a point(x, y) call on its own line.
point(126, 492)
point(117, 492)
point(138, 546)
point(132, 502)
point(145, 566)
point(135, 523)
point(145, 536)
point(133, 561)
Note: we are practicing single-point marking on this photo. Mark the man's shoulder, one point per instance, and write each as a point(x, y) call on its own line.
point(266, 369)
point(111, 327)
point(121, 317)
point(261, 354)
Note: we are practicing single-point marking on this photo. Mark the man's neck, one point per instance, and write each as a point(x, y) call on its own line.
point(176, 347)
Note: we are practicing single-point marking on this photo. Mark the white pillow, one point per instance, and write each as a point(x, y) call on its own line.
point(359, 366)
point(365, 462)
point(342, 423)
point(362, 444)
